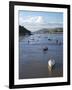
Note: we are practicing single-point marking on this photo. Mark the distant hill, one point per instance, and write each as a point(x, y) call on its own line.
point(23, 31)
point(49, 30)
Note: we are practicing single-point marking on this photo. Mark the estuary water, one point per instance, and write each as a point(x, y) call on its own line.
point(33, 59)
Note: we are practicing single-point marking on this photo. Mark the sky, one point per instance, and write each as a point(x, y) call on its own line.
point(36, 20)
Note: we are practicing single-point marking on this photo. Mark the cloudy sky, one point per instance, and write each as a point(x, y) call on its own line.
point(34, 21)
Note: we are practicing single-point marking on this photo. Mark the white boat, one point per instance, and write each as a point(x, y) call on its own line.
point(51, 63)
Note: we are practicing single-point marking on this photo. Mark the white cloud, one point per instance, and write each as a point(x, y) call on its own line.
point(34, 20)
point(34, 23)
point(40, 20)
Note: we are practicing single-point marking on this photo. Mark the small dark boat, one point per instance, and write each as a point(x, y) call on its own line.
point(56, 41)
point(28, 41)
point(45, 48)
point(49, 39)
point(60, 43)
point(38, 36)
point(32, 38)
